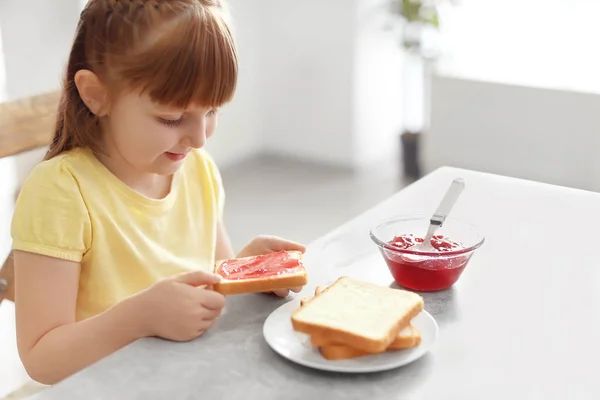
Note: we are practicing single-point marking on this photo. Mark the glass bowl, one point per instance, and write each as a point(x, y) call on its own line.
point(426, 270)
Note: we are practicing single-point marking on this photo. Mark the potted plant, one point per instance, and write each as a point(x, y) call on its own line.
point(420, 21)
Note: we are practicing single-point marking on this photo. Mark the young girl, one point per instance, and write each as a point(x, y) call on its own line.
point(116, 232)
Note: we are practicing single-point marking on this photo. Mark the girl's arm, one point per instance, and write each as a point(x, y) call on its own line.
point(52, 346)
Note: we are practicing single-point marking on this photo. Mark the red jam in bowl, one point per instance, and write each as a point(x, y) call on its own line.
point(425, 272)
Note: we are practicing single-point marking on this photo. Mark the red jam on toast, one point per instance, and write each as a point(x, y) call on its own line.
point(263, 266)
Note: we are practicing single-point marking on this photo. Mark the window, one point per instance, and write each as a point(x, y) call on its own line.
point(548, 43)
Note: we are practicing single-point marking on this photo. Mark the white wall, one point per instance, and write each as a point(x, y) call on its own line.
point(320, 81)
point(377, 86)
point(36, 44)
point(527, 132)
point(238, 137)
point(329, 81)
point(305, 61)
point(34, 52)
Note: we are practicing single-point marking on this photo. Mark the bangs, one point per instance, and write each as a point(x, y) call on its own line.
point(192, 61)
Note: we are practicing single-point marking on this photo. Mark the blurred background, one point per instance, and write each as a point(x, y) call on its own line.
point(341, 103)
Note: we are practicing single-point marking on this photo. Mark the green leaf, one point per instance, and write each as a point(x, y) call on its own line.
point(433, 20)
point(411, 10)
point(414, 11)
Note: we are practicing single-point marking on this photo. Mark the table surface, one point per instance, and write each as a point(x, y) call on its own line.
point(522, 322)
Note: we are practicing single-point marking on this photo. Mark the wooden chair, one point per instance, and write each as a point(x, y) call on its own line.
point(24, 125)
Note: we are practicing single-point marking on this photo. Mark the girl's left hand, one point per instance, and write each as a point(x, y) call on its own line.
point(270, 244)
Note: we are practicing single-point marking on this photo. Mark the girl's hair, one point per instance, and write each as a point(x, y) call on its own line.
point(179, 52)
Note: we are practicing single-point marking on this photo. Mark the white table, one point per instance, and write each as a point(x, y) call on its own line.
point(523, 321)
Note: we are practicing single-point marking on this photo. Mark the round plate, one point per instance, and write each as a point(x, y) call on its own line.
point(296, 346)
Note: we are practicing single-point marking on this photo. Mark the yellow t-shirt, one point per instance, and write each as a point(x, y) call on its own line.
point(72, 207)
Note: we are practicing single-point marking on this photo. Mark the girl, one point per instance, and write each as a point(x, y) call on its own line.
point(116, 232)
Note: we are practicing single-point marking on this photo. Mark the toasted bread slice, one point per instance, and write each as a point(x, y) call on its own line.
point(305, 300)
point(358, 314)
point(289, 278)
point(318, 290)
point(408, 337)
point(342, 352)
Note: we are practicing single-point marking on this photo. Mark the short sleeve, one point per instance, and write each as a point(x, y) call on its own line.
point(217, 182)
point(51, 217)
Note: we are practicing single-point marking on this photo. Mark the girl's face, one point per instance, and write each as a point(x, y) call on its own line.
point(154, 138)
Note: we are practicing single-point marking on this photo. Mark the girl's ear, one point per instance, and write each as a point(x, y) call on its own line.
point(93, 92)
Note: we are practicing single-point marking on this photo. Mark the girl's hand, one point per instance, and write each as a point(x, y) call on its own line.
point(269, 244)
point(180, 307)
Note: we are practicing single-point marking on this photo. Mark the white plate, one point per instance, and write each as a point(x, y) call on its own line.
point(296, 346)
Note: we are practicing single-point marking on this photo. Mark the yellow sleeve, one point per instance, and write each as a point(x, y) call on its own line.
point(51, 217)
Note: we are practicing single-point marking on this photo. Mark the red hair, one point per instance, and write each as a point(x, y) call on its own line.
point(177, 51)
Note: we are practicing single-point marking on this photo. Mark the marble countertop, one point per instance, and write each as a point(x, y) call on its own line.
point(522, 322)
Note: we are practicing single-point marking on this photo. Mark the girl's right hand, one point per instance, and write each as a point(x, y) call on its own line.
point(180, 307)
